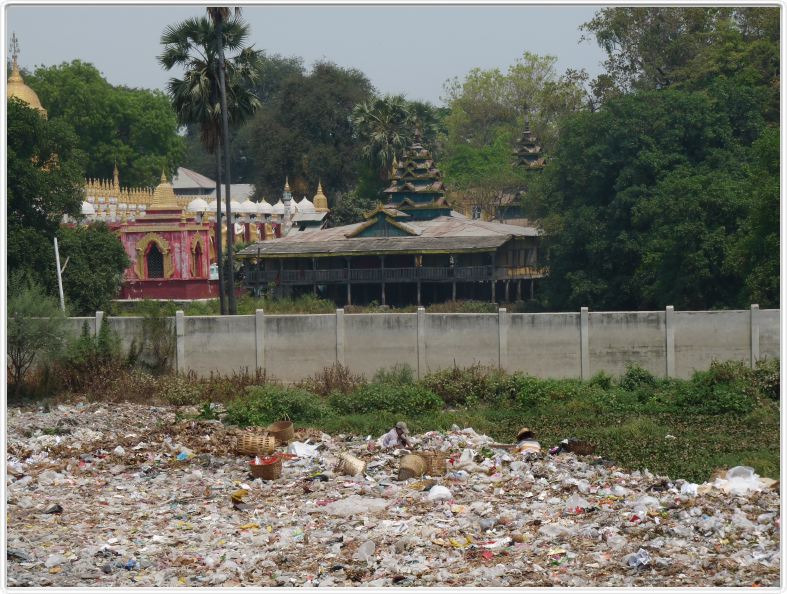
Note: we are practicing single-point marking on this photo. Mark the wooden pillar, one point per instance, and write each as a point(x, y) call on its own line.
point(453, 290)
point(382, 278)
point(494, 279)
point(314, 271)
point(506, 290)
point(349, 294)
point(532, 282)
point(519, 290)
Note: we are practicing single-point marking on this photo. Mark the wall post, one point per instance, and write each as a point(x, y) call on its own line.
point(584, 344)
point(502, 338)
point(421, 347)
point(259, 336)
point(755, 334)
point(99, 321)
point(340, 336)
point(180, 342)
point(669, 329)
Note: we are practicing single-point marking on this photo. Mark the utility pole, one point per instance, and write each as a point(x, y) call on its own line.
point(60, 276)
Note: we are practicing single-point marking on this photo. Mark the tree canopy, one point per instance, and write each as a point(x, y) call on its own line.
point(136, 128)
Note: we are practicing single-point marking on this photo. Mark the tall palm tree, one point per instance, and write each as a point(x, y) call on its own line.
point(384, 126)
point(192, 45)
point(220, 15)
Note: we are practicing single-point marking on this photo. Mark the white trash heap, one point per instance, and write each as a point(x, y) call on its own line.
point(124, 495)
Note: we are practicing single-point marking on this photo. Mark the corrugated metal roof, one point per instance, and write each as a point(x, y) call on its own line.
point(186, 178)
point(438, 235)
point(296, 246)
point(238, 192)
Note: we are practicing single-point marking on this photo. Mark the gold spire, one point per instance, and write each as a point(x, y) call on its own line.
point(287, 184)
point(16, 85)
point(116, 177)
point(320, 200)
point(163, 179)
point(164, 195)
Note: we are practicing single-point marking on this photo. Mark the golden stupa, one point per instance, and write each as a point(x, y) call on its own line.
point(16, 85)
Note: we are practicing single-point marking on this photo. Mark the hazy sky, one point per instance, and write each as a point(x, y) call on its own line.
point(402, 49)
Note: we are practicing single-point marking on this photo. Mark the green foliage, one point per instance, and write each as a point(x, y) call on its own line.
point(766, 378)
point(135, 128)
point(35, 327)
point(156, 350)
point(96, 261)
point(45, 181)
point(400, 374)
point(334, 379)
point(295, 133)
point(88, 361)
point(636, 377)
point(460, 386)
point(403, 399)
point(178, 390)
point(265, 405)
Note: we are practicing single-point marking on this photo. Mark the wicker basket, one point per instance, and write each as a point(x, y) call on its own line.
point(283, 431)
point(581, 448)
point(411, 466)
point(435, 462)
point(269, 472)
point(256, 444)
point(350, 465)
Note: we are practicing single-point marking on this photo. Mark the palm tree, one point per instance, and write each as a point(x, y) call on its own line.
point(192, 45)
point(384, 126)
point(219, 15)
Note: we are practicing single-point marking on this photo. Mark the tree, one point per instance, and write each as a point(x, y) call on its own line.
point(305, 133)
point(192, 45)
point(135, 128)
point(45, 182)
point(96, 262)
point(638, 204)
point(657, 47)
point(35, 326)
point(384, 126)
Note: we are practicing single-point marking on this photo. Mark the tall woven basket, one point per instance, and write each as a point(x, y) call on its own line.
point(411, 466)
point(435, 462)
point(350, 465)
point(256, 444)
point(269, 472)
point(283, 431)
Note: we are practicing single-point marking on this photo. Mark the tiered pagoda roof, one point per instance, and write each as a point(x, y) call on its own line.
point(416, 186)
point(528, 151)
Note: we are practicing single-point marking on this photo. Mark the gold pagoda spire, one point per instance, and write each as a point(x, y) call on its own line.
point(287, 183)
point(16, 84)
point(116, 177)
point(320, 200)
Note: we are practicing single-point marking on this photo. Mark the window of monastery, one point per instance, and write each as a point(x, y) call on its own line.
point(155, 261)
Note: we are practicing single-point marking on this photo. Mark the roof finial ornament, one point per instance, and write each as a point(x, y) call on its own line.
point(287, 183)
point(14, 51)
point(116, 176)
point(418, 133)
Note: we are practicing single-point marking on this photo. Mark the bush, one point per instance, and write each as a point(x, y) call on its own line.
point(35, 326)
point(636, 377)
point(267, 404)
point(89, 363)
point(721, 389)
point(408, 400)
point(179, 390)
point(223, 388)
point(398, 375)
point(460, 386)
point(766, 378)
point(336, 378)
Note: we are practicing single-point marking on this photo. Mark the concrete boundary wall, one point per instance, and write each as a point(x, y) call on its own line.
point(559, 345)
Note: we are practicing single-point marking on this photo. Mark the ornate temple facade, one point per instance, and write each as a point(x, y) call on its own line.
point(169, 232)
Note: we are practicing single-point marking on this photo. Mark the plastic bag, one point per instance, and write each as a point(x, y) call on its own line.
point(355, 505)
point(439, 492)
point(638, 559)
point(303, 450)
point(577, 504)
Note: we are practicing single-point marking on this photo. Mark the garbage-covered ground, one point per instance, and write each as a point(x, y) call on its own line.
point(127, 495)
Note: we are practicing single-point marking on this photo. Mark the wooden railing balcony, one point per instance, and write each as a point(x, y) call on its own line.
point(375, 275)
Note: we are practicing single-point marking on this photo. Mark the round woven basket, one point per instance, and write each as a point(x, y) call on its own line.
point(269, 472)
point(581, 448)
point(350, 465)
point(256, 444)
point(411, 466)
point(283, 431)
point(435, 462)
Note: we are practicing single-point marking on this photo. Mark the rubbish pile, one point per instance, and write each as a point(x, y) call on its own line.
point(129, 495)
